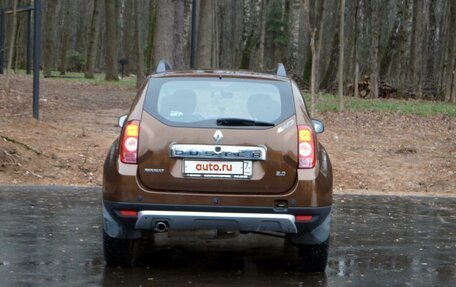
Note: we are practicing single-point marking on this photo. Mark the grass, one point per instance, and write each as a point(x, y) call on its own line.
point(98, 80)
point(79, 77)
point(328, 102)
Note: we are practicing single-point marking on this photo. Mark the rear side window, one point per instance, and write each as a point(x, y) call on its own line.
point(200, 102)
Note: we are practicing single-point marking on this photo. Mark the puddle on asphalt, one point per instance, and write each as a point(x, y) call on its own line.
point(375, 240)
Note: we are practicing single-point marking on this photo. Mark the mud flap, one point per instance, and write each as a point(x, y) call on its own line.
point(117, 230)
point(317, 236)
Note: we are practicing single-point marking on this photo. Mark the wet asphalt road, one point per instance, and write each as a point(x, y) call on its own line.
point(52, 237)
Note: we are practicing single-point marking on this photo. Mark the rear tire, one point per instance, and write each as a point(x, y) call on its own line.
point(314, 257)
point(117, 251)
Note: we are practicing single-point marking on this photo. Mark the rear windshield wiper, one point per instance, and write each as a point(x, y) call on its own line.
point(242, 122)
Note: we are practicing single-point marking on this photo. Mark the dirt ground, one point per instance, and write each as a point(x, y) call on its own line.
point(371, 152)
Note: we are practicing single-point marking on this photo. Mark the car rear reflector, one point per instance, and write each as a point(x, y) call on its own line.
point(129, 143)
point(306, 147)
point(303, 218)
point(129, 213)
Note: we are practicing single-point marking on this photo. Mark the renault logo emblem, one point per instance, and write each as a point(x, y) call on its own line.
point(218, 136)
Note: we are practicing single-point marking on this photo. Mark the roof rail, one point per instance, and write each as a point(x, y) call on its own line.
point(163, 66)
point(280, 70)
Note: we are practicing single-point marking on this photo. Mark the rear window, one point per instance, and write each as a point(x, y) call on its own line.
point(200, 102)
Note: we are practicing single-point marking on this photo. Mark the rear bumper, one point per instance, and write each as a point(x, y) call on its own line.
point(192, 217)
point(192, 220)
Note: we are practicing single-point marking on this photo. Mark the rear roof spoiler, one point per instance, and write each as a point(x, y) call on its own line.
point(163, 67)
point(280, 70)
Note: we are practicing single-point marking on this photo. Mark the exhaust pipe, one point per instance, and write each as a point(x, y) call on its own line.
point(161, 226)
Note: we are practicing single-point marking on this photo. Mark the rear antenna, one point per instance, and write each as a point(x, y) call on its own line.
point(163, 67)
point(280, 70)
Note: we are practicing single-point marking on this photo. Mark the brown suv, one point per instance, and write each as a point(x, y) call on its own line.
point(232, 151)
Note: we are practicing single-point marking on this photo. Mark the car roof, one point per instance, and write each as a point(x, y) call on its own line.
point(220, 73)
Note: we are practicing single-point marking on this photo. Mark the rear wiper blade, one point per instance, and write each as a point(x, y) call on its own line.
point(242, 122)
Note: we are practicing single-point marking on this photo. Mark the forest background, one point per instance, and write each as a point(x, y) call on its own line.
point(371, 48)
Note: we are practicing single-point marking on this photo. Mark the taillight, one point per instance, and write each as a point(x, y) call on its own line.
point(303, 218)
point(306, 147)
point(129, 213)
point(129, 143)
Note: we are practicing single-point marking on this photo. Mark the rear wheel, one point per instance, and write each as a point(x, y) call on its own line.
point(117, 251)
point(314, 257)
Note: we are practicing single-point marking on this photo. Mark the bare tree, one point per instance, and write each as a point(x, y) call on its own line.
point(205, 34)
point(178, 35)
point(356, 50)
point(450, 77)
point(294, 29)
point(129, 32)
point(315, 31)
point(341, 56)
point(150, 36)
point(416, 47)
point(11, 40)
point(230, 20)
point(49, 24)
point(374, 70)
point(111, 41)
point(164, 32)
point(10, 52)
point(94, 35)
point(330, 67)
point(264, 13)
point(402, 45)
point(66, 36)
point(138, 44)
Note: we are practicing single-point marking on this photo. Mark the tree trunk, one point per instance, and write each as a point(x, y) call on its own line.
point(402, 45)
point(313, 75)
point(150, 36)
point(231, 26)
point(215, 37)
point(330, 74)
point(18, 42)
point(315, 23)
point(164, 32)
point(391, 49)
point(319, 41)
point(264, 13)
point(422, 65)
point(355, 51)
point(450, 77)
point(247, 36)
point(374, 69)
point(356, 82)
point(12, 39)
point(179, 35)
point(10, 53)
point(138, 44)
point(452, 84)
point(94, 35)
point(205, 33)
point(294, 32)
point(111, 41)
point(130, 17)
point(48, 51)
point(440, 63)
point(341, 56)
point(66, 36)
point(416, 47)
